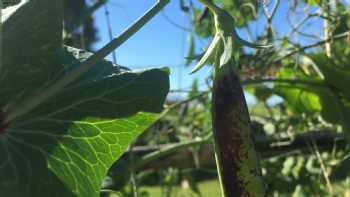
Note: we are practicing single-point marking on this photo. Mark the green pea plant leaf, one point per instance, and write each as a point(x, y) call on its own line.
point(25, 34)
point(66, 114)
point(325, 93)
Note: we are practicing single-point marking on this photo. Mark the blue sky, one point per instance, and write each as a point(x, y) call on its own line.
point(160, 43)
point(157, 44)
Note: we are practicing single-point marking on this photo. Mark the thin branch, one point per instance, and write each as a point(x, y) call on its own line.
point(289, 81)
point(110, 31)
point(317, 44)
point(268, 146)
point(171, 149)
point(178, 104)
point(132, 172)
point(323, 167)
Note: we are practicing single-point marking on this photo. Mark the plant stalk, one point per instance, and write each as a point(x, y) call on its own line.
point(328, 8)
point(170, 149)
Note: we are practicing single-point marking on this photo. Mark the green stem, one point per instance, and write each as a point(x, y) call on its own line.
point(170, 149)
point(317, 44)
point(274, 9)
point(43, 95)
point(218, 168)
point(327, 7)
point(313, 83)
point(211, 6)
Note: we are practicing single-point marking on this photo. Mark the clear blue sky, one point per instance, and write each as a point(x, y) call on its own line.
point(160, 43)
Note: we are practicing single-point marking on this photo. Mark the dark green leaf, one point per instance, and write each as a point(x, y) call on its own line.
point(30, 40)
point(341, 171)
point(335, 75)
point(300, 98)
point(65, 146)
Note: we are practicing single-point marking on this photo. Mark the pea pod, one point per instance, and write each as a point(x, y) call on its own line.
point(237, 160)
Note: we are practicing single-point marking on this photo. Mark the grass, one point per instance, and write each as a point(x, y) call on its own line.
point(207, 189)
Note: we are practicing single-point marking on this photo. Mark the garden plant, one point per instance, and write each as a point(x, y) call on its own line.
point(74, 124)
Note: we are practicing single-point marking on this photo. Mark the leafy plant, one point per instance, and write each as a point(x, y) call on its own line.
point(69, 119)
point(67, 115)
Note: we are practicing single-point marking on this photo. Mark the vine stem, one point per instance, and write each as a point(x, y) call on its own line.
point(110, 31)
point(317, 44)
point(323, 167)
point(328, 8)
point(46, 93)
point(171, 149)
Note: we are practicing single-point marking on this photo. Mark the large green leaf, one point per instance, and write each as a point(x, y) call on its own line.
point(31, 36)
point(319, 95)
point(337, 76)
point(300, 98)
point(66, 145)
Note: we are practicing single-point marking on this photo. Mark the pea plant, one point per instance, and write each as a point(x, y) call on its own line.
point(237, 161)
point(67, 115)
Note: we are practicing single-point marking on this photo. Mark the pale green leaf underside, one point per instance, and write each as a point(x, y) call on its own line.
point(31, 159)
